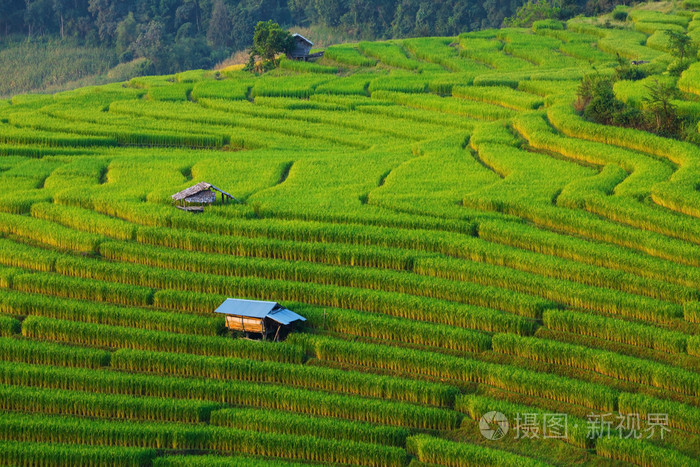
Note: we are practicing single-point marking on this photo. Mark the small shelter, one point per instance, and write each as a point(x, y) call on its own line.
point(302, 49)
point(194, 198)
point(258, 317)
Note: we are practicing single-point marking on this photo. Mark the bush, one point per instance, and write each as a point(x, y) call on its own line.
point(620, 15)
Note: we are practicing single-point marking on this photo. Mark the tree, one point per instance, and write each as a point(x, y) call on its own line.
point(127, 32)
point(219, 32)
point(530, 12)
point(680, 43)
point(596, 98)
point(151, 45)
point(603, 106)
point(38, 16)
point(59, 8)
point(659, 103)
point(269, 40)
point(331, 11)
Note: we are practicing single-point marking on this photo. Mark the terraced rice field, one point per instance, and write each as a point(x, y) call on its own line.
point(459, 239)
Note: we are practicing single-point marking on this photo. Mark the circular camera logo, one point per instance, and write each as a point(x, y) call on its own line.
point(493, 425)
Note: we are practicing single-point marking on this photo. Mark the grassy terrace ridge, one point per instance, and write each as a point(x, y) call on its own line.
point(459, 237)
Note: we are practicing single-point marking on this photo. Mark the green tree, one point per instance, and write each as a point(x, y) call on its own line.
point(331, 11)
point(679, 42)
point(532, 11)
point(658, 102)
point(269, 40)
point(597, 100)
point(681, 46)
point(127, 32)
point(219, 31)
point(151, 45)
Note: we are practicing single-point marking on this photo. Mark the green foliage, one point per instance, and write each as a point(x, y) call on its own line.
point(533, 13)
point(268, 41)
point(619, 15)
point(541, 25)
point(659, 103)
point(597, 99)
point(680, 44)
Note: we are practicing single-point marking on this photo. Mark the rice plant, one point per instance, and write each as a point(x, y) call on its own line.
point(18, 453)
point(640, 452)
point(130, 338)
point(348, 56)
point(9, 326)
point(523, 381)
point(261, 396)
point(608, 363)
point(83, 404)
point(305, 376)
point(280, 422)
point(47, 353)
point(433, 450)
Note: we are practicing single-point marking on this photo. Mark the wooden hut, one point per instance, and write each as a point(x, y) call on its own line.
point(302, 49)
point(258, 317)
point(194, 198)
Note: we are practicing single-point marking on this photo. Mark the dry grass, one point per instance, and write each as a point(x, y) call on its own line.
point(663, 7)
point(239, 58)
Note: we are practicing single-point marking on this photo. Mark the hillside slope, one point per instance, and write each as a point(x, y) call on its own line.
point(459, 239)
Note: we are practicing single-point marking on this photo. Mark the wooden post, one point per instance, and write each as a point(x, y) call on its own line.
point(277, 334)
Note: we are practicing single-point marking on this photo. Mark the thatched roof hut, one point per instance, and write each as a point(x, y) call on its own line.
point(195, 197)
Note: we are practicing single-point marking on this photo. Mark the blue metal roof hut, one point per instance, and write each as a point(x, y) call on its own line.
point(301, 49)
point(258, 317)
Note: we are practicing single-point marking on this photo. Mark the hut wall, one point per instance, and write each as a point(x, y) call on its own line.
point(202, 197)
point(239, 323)
point(301, 49)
